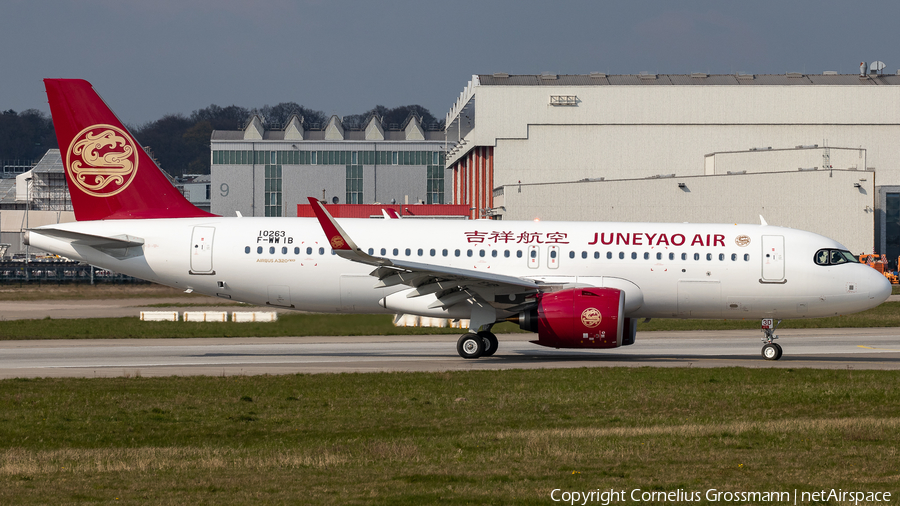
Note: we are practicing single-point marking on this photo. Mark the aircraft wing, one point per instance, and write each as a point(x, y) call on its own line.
point(119, 246)
point(447, 283)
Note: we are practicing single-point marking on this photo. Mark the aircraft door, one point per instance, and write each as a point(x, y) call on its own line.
point(534, 256)
point(553, 257)
point(772, 257)
point(202, 250)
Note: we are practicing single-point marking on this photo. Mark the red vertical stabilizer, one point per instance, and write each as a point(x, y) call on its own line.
point(109, 174)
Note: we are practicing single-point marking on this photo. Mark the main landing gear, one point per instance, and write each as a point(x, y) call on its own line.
point(771, 350)
point(482, 344)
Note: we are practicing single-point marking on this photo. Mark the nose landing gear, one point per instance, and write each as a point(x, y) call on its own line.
point(770, 350)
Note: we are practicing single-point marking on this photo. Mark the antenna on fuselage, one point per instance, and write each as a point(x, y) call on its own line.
point(762, 221)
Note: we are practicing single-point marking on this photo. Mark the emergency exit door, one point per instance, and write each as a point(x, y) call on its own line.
point(202, 250)
point(773, 258)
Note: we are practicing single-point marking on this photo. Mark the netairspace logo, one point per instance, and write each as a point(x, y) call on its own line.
point(611, 496)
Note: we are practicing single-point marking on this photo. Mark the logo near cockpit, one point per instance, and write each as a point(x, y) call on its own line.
point(102, 160)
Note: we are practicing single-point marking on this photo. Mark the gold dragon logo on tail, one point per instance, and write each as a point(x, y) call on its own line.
point(102, 160)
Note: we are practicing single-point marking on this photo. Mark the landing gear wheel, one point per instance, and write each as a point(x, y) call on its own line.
point(490, 343)
point(470, 346)
point(771, 351)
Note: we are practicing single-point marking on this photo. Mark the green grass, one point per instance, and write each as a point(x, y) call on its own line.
point(300, 324)
point(468, 437)
point(304, 324)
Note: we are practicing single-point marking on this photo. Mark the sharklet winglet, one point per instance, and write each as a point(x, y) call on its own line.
point(339, 240)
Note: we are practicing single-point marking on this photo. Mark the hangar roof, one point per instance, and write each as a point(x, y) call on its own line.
point(598, 79)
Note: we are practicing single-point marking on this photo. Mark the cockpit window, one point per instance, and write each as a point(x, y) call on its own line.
point(834, 257)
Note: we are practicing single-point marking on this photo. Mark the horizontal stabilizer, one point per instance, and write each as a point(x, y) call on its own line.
point(119, 246)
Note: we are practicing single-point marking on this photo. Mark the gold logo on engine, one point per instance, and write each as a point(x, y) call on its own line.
point(591, 317)
point(102, 160)
point(337, 242)
point(742, 240)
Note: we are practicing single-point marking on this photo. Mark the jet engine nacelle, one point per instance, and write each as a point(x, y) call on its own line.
point(581, 318)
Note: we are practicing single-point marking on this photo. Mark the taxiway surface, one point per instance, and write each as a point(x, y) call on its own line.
point(877, 348)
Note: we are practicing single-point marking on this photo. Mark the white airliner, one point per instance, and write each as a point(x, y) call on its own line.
point(576, 284)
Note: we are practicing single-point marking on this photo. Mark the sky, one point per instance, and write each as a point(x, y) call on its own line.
point(151, 58)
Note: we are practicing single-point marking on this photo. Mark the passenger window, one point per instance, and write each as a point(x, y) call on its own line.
point(259, 250)
point(284, 250)
point(583, 254)
point(408, 252)
point(420, 252)
point(721, 256)
point(432, 252)
point(684, 256)
point(646, 255)
point(571, 254)
point(494, 253)
point(371, 251)
point(596, 255)
point(609, 255)
point(296, 250)
point(444, 252)
point(746, 257)
point(309, 251)
point(468, 252)
point(506, 253)
point(518, 253)
point(383, 252)
point(734, 257)
point(456, 252)
point(481, 252)
point(621, 255)
point(709, 257)
point(634, 255)
point(671, 256)
point(271, 250)
point(396, 251)
point(247, 250)
point(321, 251)
point(696, 256)
point(533, 254)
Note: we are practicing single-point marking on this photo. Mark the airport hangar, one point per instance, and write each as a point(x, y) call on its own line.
point(801, 150)
point(269, 170)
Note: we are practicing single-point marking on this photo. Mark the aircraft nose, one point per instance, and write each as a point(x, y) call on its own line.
point(879, 287)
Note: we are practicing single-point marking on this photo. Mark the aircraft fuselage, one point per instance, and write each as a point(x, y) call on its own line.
point(676, 270)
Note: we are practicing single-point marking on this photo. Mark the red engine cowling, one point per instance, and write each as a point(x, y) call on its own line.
point(580, 318)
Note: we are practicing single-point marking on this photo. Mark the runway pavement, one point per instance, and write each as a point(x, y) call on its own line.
point(816, 348)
